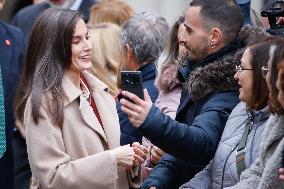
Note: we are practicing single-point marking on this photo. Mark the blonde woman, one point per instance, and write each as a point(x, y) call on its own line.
point(114, 11)
point(106, 53)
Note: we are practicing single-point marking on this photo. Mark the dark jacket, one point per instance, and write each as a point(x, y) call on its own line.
point(27, 16)
point(128, 133)
point(208, 97)
point(11, 55)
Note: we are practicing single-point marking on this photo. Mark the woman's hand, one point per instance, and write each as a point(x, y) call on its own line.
point(138, 109)
point(156, 154)
point(124, 156)
point(140, 153)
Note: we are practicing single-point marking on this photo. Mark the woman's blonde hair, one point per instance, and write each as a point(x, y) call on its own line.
point(106, 53)
point(114, 11)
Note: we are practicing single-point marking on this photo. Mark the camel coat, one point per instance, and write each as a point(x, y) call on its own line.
point(78, 155)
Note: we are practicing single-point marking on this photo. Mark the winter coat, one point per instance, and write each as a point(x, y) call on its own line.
point(78, 154)
point(208, 97)
point(128, 133)
point(263, 173)
point(225, 158)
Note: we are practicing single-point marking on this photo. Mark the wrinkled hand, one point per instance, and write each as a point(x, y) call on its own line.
point(281, 174)
point(156, 154)
point(137, 111)
point(140, 153)
point(124, 156)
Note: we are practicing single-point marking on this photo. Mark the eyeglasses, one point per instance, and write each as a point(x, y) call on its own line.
point(264, 71)
point(240, 69)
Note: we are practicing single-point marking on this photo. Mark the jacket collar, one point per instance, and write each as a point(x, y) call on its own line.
point(95, 86)
point(260, 115)
point(231, 47)
point(73, 93)
point(189, 66)
point(148, 71)
point(214, 73)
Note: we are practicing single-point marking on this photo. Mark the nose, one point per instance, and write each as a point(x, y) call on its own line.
point(87, 45)
point(236, 76)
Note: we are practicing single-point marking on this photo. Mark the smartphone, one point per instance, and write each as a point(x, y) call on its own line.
point(132, 81)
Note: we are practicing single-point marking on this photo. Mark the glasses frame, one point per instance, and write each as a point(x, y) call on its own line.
point(240, 69)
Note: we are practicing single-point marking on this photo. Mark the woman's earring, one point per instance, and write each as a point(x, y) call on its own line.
point(213, 45)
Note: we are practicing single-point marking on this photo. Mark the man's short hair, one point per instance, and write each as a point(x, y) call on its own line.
point(146, 33)
point(223, 14)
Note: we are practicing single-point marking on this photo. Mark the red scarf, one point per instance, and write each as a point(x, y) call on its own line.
point(93, 104)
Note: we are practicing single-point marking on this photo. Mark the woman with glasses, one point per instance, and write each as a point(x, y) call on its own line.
point(263, 173)
point(239, 144)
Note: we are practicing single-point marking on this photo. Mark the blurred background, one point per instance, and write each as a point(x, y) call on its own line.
point(168, 8)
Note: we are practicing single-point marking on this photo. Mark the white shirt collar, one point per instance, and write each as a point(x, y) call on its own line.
point(76, 5)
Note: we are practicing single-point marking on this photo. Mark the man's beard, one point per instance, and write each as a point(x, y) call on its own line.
point(198, 54)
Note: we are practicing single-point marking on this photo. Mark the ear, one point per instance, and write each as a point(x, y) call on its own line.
point(215, 36)
point(128, 53)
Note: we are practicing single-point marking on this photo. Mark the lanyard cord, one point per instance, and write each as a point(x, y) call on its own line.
point(223, 173)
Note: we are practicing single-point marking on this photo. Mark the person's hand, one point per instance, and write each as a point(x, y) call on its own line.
point(152, 187)
point(156, 154)
point(138, 110)
point(281, 174)
point(124, 156)
point(140, 153)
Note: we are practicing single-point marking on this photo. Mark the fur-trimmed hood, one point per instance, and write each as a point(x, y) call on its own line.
point(218, 73)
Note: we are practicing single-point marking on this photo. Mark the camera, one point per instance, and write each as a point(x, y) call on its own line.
point(275, 11)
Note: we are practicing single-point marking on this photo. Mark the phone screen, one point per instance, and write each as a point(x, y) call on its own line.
point(132, 81)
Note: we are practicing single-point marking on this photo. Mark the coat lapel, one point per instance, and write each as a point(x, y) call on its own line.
point(86, 110)
point(106, 107)
point(90, 118)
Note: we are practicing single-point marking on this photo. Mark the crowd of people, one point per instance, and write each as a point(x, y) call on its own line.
point(211, 117)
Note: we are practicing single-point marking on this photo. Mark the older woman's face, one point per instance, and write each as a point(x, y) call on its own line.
point(245, 78)
point(280, 83)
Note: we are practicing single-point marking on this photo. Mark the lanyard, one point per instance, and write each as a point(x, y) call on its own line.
point(241, 148)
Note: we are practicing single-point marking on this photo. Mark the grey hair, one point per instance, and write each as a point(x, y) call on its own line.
point(146, 33)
